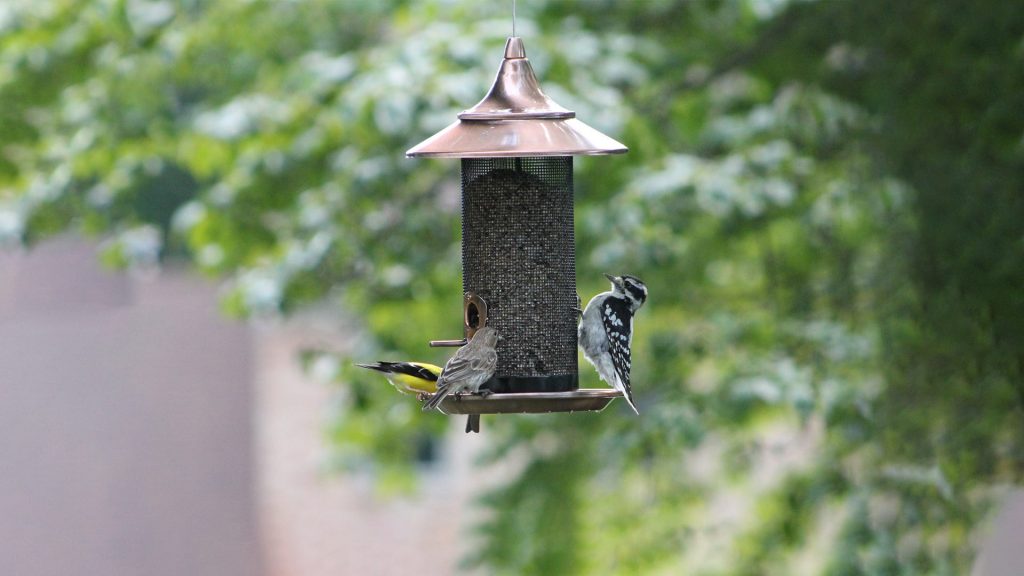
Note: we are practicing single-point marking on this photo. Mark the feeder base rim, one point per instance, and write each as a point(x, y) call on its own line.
point(583, 400)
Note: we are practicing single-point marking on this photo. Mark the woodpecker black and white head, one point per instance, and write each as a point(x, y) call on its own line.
point(606, 331)
point(629, 287)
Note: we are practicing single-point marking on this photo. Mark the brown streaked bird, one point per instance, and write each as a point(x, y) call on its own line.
point(468, 369)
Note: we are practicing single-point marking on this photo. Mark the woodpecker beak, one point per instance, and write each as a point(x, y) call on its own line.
point(616, 280)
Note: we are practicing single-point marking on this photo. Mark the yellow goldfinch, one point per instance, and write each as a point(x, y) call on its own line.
point(408, 377)
point(416, 378)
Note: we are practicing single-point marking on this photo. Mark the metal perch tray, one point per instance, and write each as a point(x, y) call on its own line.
point(587, 399)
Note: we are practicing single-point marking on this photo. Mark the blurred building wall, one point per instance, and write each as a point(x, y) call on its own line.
point(1002, 550)
point(141, 433)
point(319, 523)
point(125, 423)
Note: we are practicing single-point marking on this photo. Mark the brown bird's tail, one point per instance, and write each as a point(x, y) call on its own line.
point(436, 399)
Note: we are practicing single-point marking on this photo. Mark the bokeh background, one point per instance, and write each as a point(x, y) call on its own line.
point(825, 199)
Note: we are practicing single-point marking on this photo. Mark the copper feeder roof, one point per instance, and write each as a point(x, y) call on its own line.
point(516, 118)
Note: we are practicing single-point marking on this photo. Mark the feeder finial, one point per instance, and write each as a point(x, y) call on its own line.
point(514, 48)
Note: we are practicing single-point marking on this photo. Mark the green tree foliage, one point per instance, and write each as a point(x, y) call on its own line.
point(824, 199)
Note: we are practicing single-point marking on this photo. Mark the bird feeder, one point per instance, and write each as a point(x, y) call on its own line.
point(518, 245)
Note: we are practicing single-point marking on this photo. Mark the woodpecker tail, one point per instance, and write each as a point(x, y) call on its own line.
point(629, 399)
point(627, 394)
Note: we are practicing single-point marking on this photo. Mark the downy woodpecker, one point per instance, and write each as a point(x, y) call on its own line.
point(606, 331)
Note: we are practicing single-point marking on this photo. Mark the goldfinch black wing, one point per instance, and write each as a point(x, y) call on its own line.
point(410, 369)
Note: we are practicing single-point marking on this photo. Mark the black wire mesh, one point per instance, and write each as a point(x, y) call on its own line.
point(519, 255)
